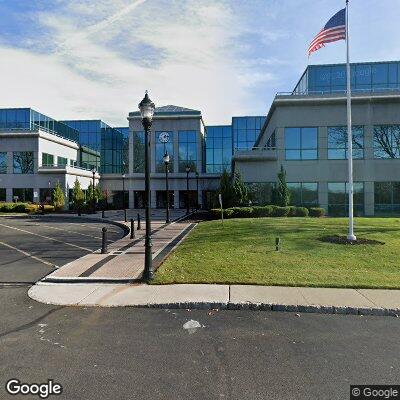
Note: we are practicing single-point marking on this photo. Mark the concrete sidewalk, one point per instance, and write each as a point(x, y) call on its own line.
point(124, 260)
point(272, 298)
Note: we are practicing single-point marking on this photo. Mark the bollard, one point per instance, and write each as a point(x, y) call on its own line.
point(104, 241)
point(132, 228)
point(277, 244)
point(102, 214)
point(79, 212)
point(138, 222)
point(125, 215)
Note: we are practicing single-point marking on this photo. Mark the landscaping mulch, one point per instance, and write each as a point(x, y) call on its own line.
point(336, 239)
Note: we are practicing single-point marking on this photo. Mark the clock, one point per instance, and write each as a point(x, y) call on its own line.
point(163, 137)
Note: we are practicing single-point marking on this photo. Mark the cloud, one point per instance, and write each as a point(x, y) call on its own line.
point(91, 73)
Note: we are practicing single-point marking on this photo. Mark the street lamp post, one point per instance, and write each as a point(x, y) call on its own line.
point(197, 190)
point(146, 107)
point(187, 188)
point(93, 202)
point(123, 196)
point(166, 162)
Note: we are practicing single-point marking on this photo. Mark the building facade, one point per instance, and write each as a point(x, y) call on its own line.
point(305, 132)
point(36, 153)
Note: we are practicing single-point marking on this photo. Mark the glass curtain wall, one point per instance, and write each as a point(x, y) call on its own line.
point(246, 130)
point(379, 76)
point(28, 119)
point(163, 146)
point(138, 152)
point(187, 150)
point(219, 147)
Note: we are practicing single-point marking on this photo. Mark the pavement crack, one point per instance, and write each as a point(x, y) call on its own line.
point(30, 324)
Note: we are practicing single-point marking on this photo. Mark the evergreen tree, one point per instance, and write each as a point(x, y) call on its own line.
point(78, 197)
point(281, 194)
point(58, 197)
point(226, 190)
point(240, 191)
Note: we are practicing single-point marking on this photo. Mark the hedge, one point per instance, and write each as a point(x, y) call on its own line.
point(317, 212)
point(267, 211)
point(23, 207)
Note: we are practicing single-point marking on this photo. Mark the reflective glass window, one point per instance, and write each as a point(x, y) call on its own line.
point(3, 163)
point(23, 162)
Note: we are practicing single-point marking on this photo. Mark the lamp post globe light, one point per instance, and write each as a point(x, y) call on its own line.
point(93, 201)
point(123, 196)
point(187, 188)
point(146, 107)
point(166, 160)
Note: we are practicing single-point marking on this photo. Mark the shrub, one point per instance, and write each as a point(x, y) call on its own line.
point(215, 213)
point(242, 212)
point(281, 211)
point(263, 211)
point(301, 212)
point(317, 212)
point(13, 207)
point(292, 211)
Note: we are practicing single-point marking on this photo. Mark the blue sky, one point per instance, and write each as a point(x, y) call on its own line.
point(95, 58)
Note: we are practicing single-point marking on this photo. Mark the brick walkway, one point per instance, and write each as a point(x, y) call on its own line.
point(124, 261)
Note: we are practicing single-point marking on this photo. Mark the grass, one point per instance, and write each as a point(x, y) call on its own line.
point(243, 252)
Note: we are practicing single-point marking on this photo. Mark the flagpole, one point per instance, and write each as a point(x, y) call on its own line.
point(350, 235)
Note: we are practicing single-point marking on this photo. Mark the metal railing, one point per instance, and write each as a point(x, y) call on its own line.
point(36, 128)
point(343, 91)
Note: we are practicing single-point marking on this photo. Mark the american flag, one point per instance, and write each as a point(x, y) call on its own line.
point(334, 30)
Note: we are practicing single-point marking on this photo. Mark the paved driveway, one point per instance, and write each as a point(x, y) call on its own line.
point(31, 248)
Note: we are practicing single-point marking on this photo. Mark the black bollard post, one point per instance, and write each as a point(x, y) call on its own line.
point(132, 228)
point(125, 215)
point(102, 214)
point(138, 222)
point(104, 241)
point(277, 244)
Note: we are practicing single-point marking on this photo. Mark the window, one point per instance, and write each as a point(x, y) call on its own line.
point(24, 195)
point(62, 161)
point(162, 148)
point(246, 131)
point(304, 194)
point(183, 194)
point(187, 150)
point(218, 149)
point(387, 198)
point(260, 193)
point(161, 199)
point(139, 198)
point(301, 143)
point(23, 162)
point(3, 163)
point(337, 142)
point(47, 160)
point(3, 194)
point(338, 198)
point(387, 141)
point(138, 151)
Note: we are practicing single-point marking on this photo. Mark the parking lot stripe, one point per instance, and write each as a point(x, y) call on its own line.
point(47, 237)
point(76, 233)
point(29, 255)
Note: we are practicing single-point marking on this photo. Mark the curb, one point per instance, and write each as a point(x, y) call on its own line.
point(125, 228)
point(383, 312)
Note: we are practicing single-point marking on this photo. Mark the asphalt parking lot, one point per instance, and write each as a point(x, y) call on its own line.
point(125, 353)
point(32, 247)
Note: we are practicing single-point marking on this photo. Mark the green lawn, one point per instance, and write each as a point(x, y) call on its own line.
point(243, 251)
